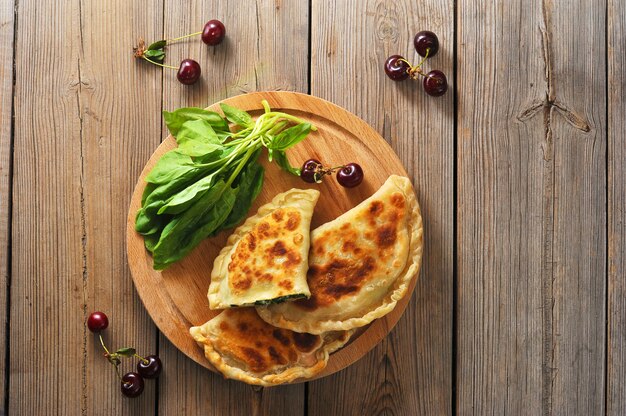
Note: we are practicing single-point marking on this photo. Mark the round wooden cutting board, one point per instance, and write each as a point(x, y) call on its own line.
point(176, 298)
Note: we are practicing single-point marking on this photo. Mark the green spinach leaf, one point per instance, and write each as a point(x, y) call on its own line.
point(174, 120)
point(281, 159)
point(197, 138)
point(199, 130)
point(193, 225)
point(290, 137)
point(183, 199)
point(172, 165)
point(150, 241)
point(148, 223)
point(237, 116)
point(150, 187)
point(161, 194)
point(248, 188)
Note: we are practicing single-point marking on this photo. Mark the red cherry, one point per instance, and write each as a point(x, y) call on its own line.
point(309, 172)
point(435, 83)
point(426, 41)
point(131, 384)
point(97, 322)
point(396, 68)
point(350, 175)
point(189, 72)
point(213, 32)
point(151, 369)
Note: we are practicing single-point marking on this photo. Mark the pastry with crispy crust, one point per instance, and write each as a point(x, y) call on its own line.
point(244, 347)
point(360, 264)
point(266, 259)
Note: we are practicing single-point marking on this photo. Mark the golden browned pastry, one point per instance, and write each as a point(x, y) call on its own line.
point(266, 258)
point(244, 347)
point(360, 264)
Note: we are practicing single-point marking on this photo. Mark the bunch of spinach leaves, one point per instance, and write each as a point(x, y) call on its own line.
point(208, 183)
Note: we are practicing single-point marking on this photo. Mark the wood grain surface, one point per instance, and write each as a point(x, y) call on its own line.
point(47, 300)
point(616, 91)
point(7, 26)
point(531, 209)
point(519, 168)
point(501, 186)
point(78, 149)
point(349, 46)
point(113, 136)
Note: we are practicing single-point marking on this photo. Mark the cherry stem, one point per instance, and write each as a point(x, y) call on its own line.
point(156, 63)
point(412, 70)
point(321, 171)
point(117, 370)
point(183, 37)
point(335, 168)
point(145, 361)
point(425, 57)
point(102, 343)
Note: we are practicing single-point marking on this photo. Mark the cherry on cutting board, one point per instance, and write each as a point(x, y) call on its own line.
point(309, 171)
point(350, 175)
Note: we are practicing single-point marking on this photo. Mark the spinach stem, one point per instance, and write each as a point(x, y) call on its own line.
point(289, 117)
point(241, 164)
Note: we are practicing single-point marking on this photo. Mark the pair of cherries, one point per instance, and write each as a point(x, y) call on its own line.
point(189, 70)
point(398, 68)
point(131, 383)
point(348, 175)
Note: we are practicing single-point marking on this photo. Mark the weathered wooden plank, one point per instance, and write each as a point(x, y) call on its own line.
point(7, 26)
point(86, 120)
point(531, 208)
point(616, 377)
point(266, 48)
point(47, 333)
point(501, 183)
point(410, 371)
point(120, 104)
point(47, 263)
point(579, 255)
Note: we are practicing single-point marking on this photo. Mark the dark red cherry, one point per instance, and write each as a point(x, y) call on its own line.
point(309, 170)
point(213, 33)
point(424, 41)
point(151, 369)
point(131, 384)
point(435, 83)
point(97, 322)
point(396, 68)
point(188, 72)
point(350, 175)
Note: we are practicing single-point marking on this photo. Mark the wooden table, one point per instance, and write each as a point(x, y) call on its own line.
point(520, 170)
